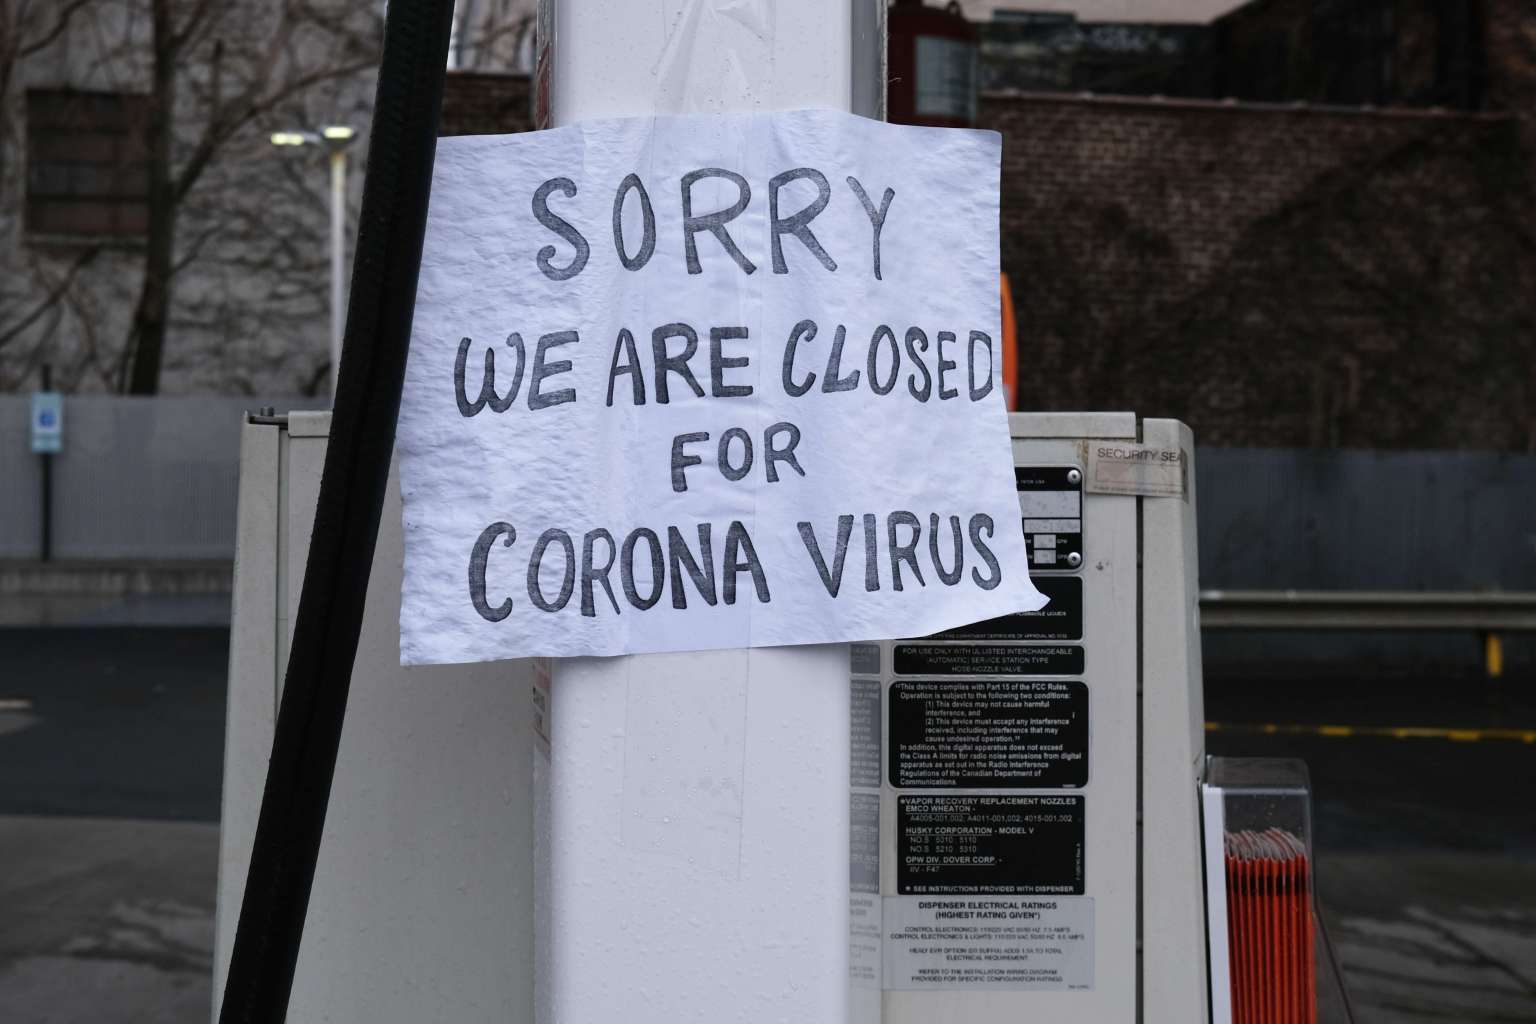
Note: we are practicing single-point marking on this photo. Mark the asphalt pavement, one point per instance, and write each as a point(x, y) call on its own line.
point(1424, 828)
point(113, 722)
point(111, 760)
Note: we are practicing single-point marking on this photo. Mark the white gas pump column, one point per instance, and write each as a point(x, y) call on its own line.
point(697, 821)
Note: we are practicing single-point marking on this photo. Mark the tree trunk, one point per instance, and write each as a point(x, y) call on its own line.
point(146, 339)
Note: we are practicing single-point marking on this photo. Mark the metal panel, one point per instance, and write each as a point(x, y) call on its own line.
point(20, 470)
point(422, 906)
point(1109, 574)
point(146, 478)
point(1173, 969)
point(301, 481)
point(1277, 519)
point(1486, 612)
point(868, 71)
point(155, 479)
point(251, 710)
point(139, 478)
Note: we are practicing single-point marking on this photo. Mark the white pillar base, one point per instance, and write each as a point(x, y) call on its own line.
point(698, 803)
point(699, 838)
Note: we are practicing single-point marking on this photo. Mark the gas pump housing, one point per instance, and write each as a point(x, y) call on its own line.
point(1025, 830)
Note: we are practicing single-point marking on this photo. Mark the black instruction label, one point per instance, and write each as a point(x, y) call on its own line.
point(988, 733)
point(989, 845)
point(1060, 619)
point(988, 660)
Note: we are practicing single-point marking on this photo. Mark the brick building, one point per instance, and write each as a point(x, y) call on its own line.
point(1043, 51)
point(484, 103)
point(152, 238)
point(1353, 52)
point(1274, 276)
point(1293, 274)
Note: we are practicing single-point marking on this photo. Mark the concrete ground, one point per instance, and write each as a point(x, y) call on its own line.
point(1426, 846)
point(111, 748)
point(111, 758)
point(89, 593)
point(106, 921)
point(1432, 937)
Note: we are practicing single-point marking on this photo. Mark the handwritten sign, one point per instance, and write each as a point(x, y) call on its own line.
point(701, 382)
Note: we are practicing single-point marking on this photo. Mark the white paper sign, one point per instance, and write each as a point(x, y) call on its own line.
point(746, 390)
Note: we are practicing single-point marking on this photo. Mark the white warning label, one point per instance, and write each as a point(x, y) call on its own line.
point(864, 940)
point(988, 942)
point(1120, 467)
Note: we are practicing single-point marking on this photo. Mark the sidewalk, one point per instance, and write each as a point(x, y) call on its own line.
point(190, 593)
point(1434, 936)
point(106, 921)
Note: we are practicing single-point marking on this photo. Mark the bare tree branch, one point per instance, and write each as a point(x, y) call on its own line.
point(188, 32)
point(215, 295)
point(60, 24)
point(219, 133)
point(48, 301)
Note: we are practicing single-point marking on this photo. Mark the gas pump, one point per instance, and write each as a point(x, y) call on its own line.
point(1024, 824)
point(1026, 844)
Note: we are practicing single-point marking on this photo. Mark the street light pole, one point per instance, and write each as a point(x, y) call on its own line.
point(335, 138)
point(338, 255)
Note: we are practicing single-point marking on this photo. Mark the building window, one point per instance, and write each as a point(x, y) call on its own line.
point(87, 174)
point(946, 77)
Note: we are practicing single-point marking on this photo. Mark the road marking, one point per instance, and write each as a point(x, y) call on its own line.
point(1396, 732)
point(15, 704)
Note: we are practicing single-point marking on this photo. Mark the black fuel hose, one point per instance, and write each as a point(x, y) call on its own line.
point(401, 147)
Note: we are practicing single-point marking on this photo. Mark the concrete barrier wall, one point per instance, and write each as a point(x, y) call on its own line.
point(141, 479)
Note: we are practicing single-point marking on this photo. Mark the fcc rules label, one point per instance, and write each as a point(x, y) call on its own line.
point(988, 733)
point(988, 942)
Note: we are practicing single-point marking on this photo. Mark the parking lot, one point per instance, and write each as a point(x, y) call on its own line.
point(111, 759)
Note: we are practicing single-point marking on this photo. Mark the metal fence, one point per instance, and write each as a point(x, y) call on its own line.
point(141, 479)
point(1401, 560)
point(1307, 519)
point(155, 479)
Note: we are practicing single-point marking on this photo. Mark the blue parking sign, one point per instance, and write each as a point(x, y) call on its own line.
point(47, 422)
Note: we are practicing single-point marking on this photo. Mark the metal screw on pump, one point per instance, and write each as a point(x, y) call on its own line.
point(1074, 559)
point(1074, 476)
